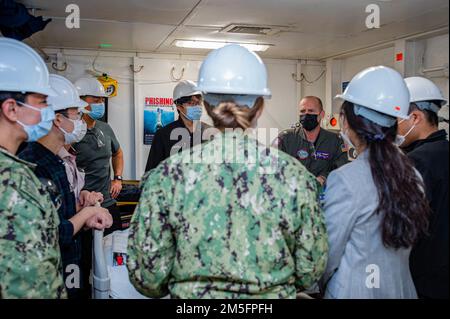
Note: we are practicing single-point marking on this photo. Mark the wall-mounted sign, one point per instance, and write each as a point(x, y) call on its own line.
point(158, 112)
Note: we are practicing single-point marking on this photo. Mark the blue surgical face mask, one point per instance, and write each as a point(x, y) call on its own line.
point(194, 113)
point(42, 128)
point(97, 111)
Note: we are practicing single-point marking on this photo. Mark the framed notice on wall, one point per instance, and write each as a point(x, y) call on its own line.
point(158, 112)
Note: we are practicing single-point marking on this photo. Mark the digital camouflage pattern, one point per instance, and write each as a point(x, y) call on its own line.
point(227, 230)
point(30, 262)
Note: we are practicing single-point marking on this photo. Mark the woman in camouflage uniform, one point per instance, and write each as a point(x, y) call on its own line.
point(229, 218)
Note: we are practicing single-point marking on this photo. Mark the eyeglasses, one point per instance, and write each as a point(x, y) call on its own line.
point(77, 116)
point(188, 100)
point(52, 190)
point(100, 137)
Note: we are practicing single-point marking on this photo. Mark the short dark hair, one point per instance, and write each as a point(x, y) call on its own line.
point(186, 99)
point(431, 117)
point(18, 96)
point(319, 101)
point(62, 112)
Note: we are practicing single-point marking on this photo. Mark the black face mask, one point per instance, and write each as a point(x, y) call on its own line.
point(309, 121)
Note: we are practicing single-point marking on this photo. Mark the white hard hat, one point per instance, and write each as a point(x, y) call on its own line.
point(90, 86)
point(379, 89)
point(22, 69)
point(233, 70)
point(67, 94)
point(185, 88)
point(423, 90)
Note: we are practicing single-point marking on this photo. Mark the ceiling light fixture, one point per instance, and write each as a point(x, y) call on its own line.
point(211, 45)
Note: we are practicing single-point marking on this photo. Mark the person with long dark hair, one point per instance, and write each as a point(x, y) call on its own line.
point(375, 207)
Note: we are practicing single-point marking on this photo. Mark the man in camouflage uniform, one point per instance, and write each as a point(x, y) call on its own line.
point(29, 254)
point(30, 262)
point(227, 219)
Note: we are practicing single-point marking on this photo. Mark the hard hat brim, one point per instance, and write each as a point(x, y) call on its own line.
point(48, 91)
point(346, 98)
point(190, 94)
point(196, 93)
point(81, 104)
point(95, 95)
point(44, 91)
point(211, 90)
point(442, 101)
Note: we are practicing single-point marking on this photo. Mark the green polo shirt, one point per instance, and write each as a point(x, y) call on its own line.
point(94, 155)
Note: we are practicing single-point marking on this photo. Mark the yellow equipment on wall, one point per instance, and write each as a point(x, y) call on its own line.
point(111, 86)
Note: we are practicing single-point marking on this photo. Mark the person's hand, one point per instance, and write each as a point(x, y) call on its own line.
point(90, 198)
point(97, 198)
point(116, 187)
point(322, 180)
point(100, 220)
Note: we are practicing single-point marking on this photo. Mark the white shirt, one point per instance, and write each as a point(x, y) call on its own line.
point(74, 175)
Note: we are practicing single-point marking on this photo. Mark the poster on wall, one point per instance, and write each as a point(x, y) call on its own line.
point(158, 112)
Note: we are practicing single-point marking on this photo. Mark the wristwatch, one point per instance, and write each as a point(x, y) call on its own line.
point(118, 178)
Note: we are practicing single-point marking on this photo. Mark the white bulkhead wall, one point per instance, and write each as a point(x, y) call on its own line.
point(281, 111)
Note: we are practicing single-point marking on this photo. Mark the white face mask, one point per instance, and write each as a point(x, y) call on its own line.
point(400, 139)
point(347, 140)
point(78, 133)
point(344, 135)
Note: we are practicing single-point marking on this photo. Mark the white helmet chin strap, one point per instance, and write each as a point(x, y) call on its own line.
point(426, 105)
point(374, 116)
point(216, 99)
